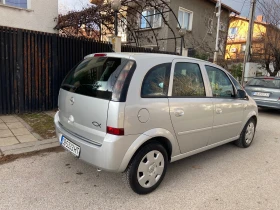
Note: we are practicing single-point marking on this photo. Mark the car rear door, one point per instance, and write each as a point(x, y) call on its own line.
point(191, 111)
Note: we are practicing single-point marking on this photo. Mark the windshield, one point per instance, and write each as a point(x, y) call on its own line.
point(94, 77)
point(265, 82)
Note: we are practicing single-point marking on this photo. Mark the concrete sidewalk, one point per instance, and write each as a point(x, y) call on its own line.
point(16, 137)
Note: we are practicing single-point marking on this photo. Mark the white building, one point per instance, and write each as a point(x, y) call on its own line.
point(35, 15)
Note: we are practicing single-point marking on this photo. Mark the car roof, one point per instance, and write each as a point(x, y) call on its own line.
point(266, 77)
point(136, 56)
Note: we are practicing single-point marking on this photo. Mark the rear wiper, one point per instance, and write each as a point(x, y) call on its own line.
point(69, 86)
point(256, 85)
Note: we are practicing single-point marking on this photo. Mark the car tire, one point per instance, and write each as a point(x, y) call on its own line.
point(247, 134)
point(147, 169)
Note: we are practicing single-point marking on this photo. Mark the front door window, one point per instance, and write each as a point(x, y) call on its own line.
point(220, 83)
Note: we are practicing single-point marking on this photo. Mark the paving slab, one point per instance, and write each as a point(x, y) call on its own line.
point(14, 125)
point(8, 118)
point(3, 126)
point(29, 144)
point(26, 138)
point(6, 133)
point(20, 131)
point(8, 141)
point(1, 120)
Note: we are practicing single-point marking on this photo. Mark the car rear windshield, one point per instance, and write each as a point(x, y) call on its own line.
point(265, 83)
point(94, 77)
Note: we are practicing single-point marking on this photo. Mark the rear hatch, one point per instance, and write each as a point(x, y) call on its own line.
point(85, 95)
point(265, 89)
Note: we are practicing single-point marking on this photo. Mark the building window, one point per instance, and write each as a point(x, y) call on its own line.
point(232, 32)
point(150, 18)
point(243, 48)
point(16, 3)
point(185, 18)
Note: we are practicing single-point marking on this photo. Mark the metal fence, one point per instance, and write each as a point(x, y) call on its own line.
point(33, 65)
point(129, 48)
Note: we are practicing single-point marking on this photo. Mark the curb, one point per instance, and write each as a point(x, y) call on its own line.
point(29, 147)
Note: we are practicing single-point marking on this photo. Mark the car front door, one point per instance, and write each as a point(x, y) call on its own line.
point(191, 110)
point(228, 108)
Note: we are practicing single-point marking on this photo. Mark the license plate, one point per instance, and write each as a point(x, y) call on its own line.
point(261, 94)
point(70, 146)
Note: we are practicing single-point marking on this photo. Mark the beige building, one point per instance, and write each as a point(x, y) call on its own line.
point(196, 17)
point(35, 15)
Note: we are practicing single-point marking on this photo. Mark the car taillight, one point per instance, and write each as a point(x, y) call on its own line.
point(120, 81)
point(115, 131)
point(100, 55)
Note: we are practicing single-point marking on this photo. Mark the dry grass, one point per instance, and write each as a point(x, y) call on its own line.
point(41, 124)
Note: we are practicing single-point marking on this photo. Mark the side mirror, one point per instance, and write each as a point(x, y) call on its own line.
point(242, 94)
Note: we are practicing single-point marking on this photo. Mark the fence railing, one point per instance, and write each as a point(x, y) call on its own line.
point(128, 48)
point(33, 65)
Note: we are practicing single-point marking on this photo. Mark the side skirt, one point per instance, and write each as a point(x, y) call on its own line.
point(181, 156)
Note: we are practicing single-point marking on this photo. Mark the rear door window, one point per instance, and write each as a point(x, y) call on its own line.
point(187, 81)
point(94, 77)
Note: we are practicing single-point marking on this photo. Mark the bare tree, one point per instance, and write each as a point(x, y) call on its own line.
point(269, 54)
point(97, 21)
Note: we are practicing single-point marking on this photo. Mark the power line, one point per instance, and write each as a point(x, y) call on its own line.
point(243, 6)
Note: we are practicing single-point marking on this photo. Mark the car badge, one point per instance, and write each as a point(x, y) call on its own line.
point(96, 124)
point(72, 101)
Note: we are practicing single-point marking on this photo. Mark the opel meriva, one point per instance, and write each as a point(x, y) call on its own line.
point(135, 113)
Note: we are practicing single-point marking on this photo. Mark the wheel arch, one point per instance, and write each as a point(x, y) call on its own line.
point(251, 115)
point(161, 136)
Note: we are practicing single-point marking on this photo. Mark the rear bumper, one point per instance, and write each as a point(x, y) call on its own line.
point(107, 156)
point(269, 104)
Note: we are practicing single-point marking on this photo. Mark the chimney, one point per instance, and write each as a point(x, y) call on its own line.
point(96, 2)
point(259, 18)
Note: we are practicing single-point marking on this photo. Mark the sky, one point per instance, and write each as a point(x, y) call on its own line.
point(242, 6)
point(66, 5)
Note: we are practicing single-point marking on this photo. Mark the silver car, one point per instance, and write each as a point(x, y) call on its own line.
point(136, 113)
point(265, 91)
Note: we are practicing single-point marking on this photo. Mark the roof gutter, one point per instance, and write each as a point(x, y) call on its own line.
point(224, 6)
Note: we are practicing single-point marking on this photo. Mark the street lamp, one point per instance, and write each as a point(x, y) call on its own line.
point(181, 34)
point(116, 5)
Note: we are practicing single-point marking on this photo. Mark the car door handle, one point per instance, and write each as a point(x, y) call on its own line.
point(219, 111)
point(179, 112)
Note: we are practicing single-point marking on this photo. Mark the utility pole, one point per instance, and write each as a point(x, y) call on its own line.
point(218, 14)
point(247, 56)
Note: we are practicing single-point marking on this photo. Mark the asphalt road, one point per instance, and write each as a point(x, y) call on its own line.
point(226, 177)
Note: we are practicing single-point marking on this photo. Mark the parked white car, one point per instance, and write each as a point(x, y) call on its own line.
point(135, 113)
